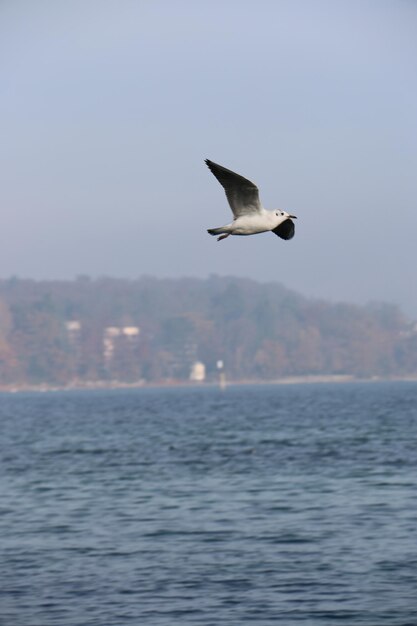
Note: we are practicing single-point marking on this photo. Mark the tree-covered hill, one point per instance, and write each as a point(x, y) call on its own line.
point(58, 332)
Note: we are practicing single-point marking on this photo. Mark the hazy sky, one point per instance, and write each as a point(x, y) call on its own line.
point(108, 109)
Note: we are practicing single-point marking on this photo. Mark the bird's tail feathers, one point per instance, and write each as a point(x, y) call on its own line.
point(216, 231)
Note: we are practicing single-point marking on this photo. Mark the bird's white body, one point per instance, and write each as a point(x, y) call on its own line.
point(254, 223)
point(250, 216)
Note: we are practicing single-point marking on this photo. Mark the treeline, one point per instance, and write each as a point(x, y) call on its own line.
point(60, 332)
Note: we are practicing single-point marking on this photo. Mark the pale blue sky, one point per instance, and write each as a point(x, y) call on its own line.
point(108, 109)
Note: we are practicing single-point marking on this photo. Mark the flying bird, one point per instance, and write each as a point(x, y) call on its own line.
point(250, 217)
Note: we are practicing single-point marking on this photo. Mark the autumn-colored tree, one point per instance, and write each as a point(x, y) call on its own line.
point(259, 331)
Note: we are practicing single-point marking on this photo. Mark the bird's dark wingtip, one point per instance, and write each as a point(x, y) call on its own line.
point(285, 230)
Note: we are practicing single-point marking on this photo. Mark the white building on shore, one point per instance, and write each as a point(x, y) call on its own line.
point(198, 372)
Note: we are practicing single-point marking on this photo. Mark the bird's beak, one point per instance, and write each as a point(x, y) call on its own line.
point(294, 217)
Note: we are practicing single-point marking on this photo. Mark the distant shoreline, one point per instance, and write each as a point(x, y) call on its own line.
point(110, 385)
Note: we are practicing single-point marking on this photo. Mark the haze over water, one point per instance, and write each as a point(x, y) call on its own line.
point(259, 504)
point(110, 109)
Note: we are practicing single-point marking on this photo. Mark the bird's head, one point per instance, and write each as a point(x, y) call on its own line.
point(283, 215)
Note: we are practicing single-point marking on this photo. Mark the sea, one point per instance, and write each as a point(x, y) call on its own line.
point(253, 504)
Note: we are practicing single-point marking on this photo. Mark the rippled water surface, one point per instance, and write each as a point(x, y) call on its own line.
point(256, 504)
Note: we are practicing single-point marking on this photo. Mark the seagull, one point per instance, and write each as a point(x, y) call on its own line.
point(250, 217)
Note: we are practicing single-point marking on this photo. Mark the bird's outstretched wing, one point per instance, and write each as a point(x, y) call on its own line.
point(241, 193)
point(285, 230)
